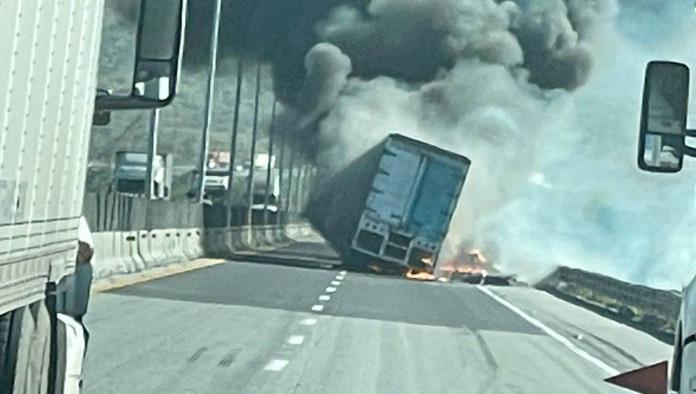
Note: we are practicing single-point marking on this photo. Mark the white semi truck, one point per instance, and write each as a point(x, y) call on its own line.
point(662, 147)
point(48, 103)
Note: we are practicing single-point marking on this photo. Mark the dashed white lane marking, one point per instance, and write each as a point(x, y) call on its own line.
point(296, 339)
point(276, 365)
point(335, 283)
point(340, 277)
point(330, 289)
point(343, 273)
point(553, 334)
point(324, 297)
point(308, 322)
point(318, 308)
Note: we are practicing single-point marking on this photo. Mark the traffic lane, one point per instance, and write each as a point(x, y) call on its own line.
point(349, 355)
point(620, 346)
point(352, 350)
point(236, 283)
point(144, 345)
point(156, 343)
point(426, 303)
point(198, 331)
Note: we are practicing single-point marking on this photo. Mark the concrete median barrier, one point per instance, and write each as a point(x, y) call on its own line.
point(180, 244)
point(277, 235)
point(233, 240)
point(215, 242)
point(246, 239)
point(108, 255)
point(156, 246)
point(226, 242)
point(193, 244)
point(291, 231)
point(259, 236)
point(143, 242)
point(131, 253)
point(173, 246)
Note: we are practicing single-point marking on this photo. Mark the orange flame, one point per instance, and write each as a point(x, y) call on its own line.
point(471, 262)
point(425, 276)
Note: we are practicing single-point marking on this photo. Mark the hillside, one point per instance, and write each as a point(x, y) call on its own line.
point(182, 122)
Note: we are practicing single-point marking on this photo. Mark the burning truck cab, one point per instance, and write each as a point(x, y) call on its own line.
point(390, 209)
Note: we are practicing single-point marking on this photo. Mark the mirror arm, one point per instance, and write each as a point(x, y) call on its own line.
point(114, 103)
point(689, 151)
point(690, 132)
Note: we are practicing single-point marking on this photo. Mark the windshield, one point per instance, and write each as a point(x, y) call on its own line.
point(428, 196)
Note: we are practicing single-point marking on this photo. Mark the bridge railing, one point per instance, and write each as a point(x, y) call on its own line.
point(652, 310)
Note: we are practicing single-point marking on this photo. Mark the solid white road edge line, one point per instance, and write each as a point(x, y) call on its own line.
point(553, 334)
point(276, 365)
point(296, 339)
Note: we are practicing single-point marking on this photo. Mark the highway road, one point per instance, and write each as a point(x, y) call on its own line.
point(257, 328)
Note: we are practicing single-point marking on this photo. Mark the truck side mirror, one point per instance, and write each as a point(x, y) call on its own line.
point(159, 48)
point(663, 117)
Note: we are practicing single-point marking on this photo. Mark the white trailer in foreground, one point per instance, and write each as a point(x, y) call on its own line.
point(49, 53)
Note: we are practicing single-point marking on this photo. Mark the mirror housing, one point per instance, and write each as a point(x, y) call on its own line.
point(159, 48)
point(661, 145)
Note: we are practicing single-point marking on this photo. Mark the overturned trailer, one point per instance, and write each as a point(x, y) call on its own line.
point(390, 209)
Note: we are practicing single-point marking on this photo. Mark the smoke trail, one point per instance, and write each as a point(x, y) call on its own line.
point(327, 73)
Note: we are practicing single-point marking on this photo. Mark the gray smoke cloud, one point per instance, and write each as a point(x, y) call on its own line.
point(468, 75)
point(554, 36)
point(552, 136)
point(327, 73)
point(414, 40)
point(411, 40)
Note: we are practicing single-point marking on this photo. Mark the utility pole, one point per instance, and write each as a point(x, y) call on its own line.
point(151, 154)
point(269, 168)
point(281, 168)
point(254, 129)
point(299, 186)
point(291, 171)
point(310, 173)
point(233, 142)
point(210, 95)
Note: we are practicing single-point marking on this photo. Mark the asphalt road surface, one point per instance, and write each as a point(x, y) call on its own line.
point(256, 328)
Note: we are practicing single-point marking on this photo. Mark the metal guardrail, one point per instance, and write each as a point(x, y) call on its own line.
point(652, 310)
